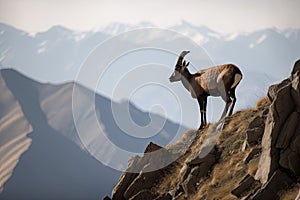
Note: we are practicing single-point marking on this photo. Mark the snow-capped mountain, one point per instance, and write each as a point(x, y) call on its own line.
point(56, 55)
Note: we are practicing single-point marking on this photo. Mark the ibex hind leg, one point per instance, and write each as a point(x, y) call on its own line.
point(202, 104)
point(228, 102)
point(233, 97)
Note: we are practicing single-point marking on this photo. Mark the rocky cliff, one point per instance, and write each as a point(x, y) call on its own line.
point(253, 154)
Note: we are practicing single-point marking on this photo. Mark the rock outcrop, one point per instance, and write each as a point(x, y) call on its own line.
point(141, 176)
point(281, 138)
point(256, 153)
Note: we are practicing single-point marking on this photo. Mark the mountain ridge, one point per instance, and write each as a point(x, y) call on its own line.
point(57, 58)
point(51, 155)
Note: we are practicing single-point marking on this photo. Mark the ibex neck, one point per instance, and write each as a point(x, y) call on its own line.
point(186, 78)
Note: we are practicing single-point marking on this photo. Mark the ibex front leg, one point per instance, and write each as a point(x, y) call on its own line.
point(202, 104)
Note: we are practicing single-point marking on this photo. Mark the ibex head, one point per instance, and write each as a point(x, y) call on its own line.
point(179, 67)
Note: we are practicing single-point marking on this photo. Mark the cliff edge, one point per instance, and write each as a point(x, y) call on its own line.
point(253, 154)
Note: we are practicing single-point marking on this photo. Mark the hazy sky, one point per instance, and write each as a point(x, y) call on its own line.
point(223, 16)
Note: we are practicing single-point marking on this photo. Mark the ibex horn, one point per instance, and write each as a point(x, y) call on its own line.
point(181, 56)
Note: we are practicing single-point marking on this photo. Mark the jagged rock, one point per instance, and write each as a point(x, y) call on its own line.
point(131, 183)
point(196, 169)
point(151, 147)
point(295, 91)
point(205, 161)
point(243, 186)
point(279, 128)
point(143, 195)
point(257, 122)
point(178, 191)
point(278, 181)
point(296, 67)
point(143, 181)
point(189, 185)
point(164, 197)
point(273, 89)
point(158, 158)
point(155, 163)
point(253, 136)
point(280, 109)
point(284, 161)
point(290, 157)
point(126, 179)
point(254, 132)
point(294, 163)
point(287, 131)
point(254, 151)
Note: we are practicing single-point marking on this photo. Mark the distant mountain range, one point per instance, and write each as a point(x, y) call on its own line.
point(56, 55)
point(42, 154)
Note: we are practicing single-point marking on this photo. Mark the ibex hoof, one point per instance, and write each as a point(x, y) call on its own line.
point(201, 127)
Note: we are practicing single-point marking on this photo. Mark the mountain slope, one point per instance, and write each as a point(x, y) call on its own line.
point(14, 130)
point(52, 161)
point(253, 155)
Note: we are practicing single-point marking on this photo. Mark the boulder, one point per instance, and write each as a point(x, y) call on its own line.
point(296, 67)
point(253, 136)
point(284, 160)
point(287, 131)
point(143, 195)
point(254, 151)
point(126, 179)
point(290, 156)
point(158, 158)
point(197, 168)
point(155, 164)
point(151, 147)
point(294, 162)
point(273, 89)
point(143, 181)
point(204, 164)
point(278, 182)
point(143, 172)
point(280, 109)
point(243, 186)
point(295, 90)
point(254, 132)
point(205, 161)
point(257, 122)
point(189, 184)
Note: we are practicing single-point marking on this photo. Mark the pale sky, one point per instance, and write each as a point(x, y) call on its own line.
point(225, 16)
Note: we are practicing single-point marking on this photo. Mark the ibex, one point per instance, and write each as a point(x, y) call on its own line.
point(216, 81)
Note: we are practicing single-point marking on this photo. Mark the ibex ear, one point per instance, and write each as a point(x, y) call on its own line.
point(184, 65)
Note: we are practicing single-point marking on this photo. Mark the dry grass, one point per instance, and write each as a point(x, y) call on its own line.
point(262, 103)
point(230, 169)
